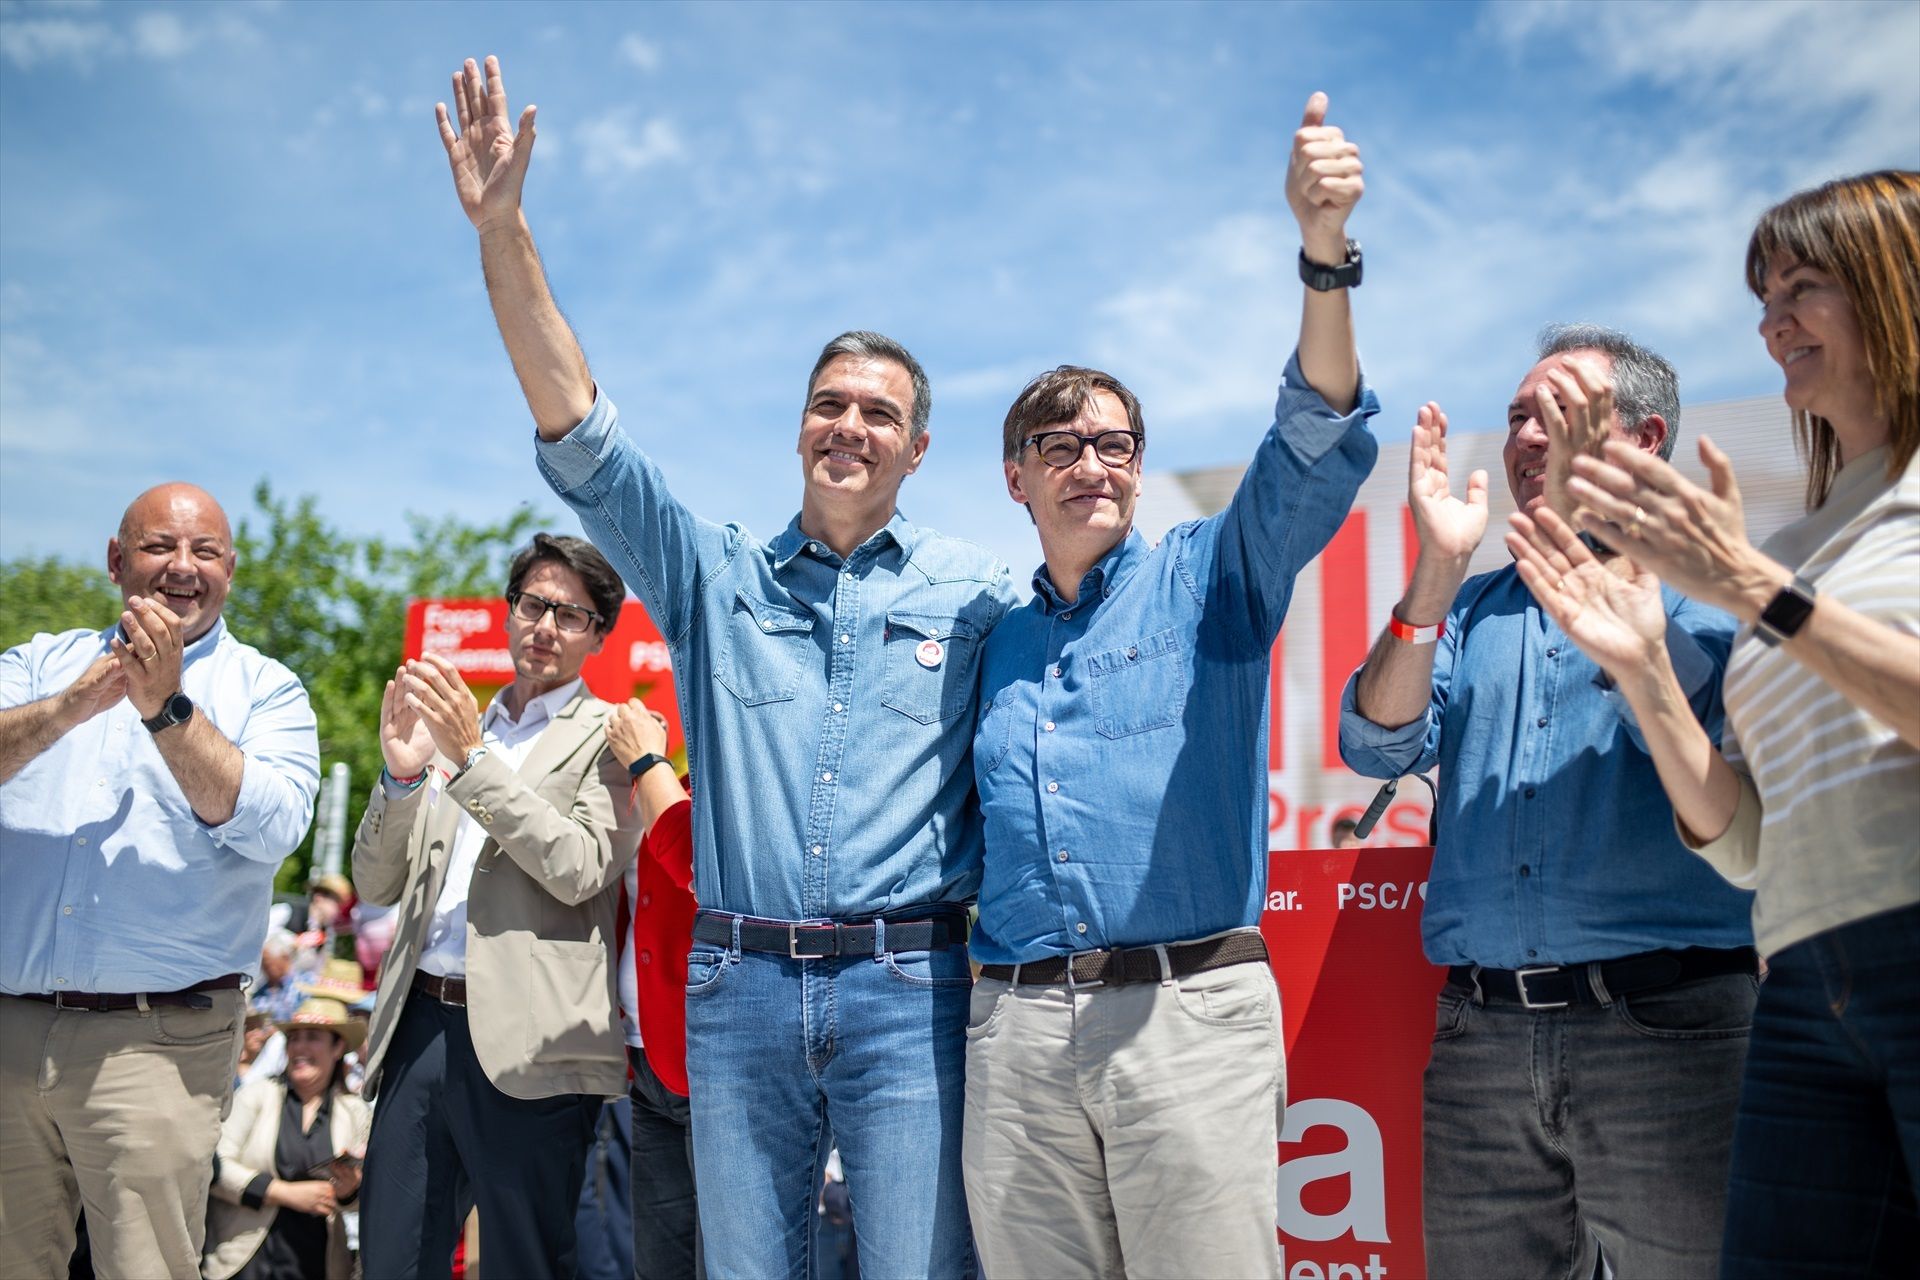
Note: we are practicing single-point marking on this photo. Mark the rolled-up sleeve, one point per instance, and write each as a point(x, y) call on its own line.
point(1375, 751)
point(281, 773)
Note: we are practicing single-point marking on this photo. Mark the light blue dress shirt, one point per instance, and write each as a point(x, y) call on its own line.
point(828, 702)
point(1556, 839)
point(1122, 749)
point(108, 882)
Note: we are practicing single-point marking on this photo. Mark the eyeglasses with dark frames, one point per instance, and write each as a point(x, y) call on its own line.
point(568, 617)
point(1062, 449)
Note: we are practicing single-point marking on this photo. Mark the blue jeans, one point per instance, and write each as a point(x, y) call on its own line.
point(1551, 1135)
point(1827, 1143)
point(871, 1049)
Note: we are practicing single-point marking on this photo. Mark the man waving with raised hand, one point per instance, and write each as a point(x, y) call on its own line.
point(1124, 1065)
point(827, 677)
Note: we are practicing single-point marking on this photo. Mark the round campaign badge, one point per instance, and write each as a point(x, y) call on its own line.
point(929, 654)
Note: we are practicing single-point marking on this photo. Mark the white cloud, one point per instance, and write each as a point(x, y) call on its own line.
point(161, 36)
point(618, 143)
point(639, 51)
point(30, 42)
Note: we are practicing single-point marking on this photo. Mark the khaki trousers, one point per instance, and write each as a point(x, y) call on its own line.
point(1126, 1131)
point(119, 1112)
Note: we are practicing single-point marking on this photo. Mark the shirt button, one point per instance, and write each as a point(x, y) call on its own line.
point(646, 899)
point(826, 775)
point(101, 783)
point(815, 547)
point(1529, 793)
point(1081, 927)
point(1049, 726)
point(1132, 652)
point(646, 957)
point(80, 840)
point(1067, 616)
point(845, 638)
point(59, 982)
point(1541, 723)
point(1531, 953)
point(1525, 871)
point(1063, 855)
point(838, 707)
point(1053, 786)
point(817, 849)
point(66, 911)
point(1553, 653)
point(1056, 673)
point(767, 625)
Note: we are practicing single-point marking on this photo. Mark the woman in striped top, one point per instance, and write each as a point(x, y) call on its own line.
point(1813, 798)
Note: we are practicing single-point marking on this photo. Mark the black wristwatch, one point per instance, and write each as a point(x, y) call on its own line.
point(177, 709)
point(1324, 279)
point(1786, 613)
point(647, 762)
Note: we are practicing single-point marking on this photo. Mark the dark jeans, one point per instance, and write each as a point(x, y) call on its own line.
point(603, 1225)
point(666, 1223)
point(1828, 1139)
point(444, 1139)
point(1549, 1135)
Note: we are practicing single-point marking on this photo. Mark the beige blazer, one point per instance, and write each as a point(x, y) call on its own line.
point(247, 1139)
point(542, 999)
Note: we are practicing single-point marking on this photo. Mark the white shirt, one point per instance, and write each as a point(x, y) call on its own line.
point(629, 976)
point(445, 952)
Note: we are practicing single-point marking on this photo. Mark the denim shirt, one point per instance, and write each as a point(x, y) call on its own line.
point(108, 879)
point(828, 702)
point(1556, 839)
point(1122, 749)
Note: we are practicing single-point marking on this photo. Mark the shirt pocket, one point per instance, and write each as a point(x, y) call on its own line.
point(1139, 687)
point(995, 734)
point(931, 663)
point(763, 650)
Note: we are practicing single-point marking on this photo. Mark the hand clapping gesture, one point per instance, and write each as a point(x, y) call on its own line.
point(446, 708)
point(1448, 527)
point(1616, 618)
point(634, 730)
point(149, 656)
point(404, 740)
point(1580, 430)
point(488, 155)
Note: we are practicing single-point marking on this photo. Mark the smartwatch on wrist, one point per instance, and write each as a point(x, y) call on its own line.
point(473, 756)
point(177, 709)
point(1786, 613)
point(647, 762)
point(1325, 279)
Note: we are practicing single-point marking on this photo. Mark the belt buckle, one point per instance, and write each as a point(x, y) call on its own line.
point(1527, 1001)
point(793, 939)
point(447, 997)
point(60, 1002)
point(1081, 986)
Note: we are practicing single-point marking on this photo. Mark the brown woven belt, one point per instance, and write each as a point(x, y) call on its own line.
point(193, 997)
point(451, 991)
point(1134, 964)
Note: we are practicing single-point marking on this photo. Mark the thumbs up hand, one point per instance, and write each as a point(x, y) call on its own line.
point(1323, 183)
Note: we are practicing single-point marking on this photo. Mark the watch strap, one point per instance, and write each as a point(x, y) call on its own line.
point(647, 762)
point(1786, 613)
point(177, 709)
point(1323, 279)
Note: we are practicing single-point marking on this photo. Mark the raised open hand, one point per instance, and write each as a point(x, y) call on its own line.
point(1613, 613)
point(1323, 183)
point(1577, 431)
point(1448, 527)
point(488, 155)
point(404, 740)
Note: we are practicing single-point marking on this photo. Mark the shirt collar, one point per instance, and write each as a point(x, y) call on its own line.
point(898, 530)
point(1103, 579)
point(537, 711)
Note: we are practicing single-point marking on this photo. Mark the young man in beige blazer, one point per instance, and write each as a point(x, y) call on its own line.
point(504, 838)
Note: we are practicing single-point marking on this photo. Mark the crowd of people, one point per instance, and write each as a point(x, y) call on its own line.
point(967, 889)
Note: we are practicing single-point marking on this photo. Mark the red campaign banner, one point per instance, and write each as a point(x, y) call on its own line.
point(472, 634)
point(1357, 1002)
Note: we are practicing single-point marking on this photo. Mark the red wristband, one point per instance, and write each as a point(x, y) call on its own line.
point(1415, 635)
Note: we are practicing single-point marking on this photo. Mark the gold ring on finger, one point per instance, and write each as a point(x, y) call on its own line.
point(1639, 518)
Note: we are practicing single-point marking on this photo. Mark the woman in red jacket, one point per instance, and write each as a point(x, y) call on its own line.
point(653, 1001)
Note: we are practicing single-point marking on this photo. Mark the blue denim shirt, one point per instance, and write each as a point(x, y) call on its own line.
point(1556, 840)
point(108, 879)
point(828, 703)
point(1122, 749)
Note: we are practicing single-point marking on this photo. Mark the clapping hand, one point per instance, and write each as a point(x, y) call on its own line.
point(150, 654)
point(404, 740)
point(100, 686)
point(1577, 431)
point(432, 686)
point(488, 155)
point(635, 730)
point(1613, 613)
point(1448, 527)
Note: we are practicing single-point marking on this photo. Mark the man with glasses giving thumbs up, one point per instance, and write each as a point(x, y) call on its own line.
point(1124, 1073)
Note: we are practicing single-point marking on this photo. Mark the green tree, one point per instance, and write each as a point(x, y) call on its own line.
point(330, 605)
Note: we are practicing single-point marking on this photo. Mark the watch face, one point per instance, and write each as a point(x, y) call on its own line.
point(178, 707)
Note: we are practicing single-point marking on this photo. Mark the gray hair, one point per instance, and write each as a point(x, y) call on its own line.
point(1644, 383)
point(864, 344)
point(278, 943)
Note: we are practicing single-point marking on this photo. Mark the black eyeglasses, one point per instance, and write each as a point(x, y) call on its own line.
point(1062, 449)
point(567, 617)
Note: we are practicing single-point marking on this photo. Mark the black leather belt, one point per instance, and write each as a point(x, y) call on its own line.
point(193, 997)
point(1134, 964)
point(818, 939)
point(451, 991)
point(1557, 986)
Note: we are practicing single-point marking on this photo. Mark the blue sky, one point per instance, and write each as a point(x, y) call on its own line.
point(229, 247)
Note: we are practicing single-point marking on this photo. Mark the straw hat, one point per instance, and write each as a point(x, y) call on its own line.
point(329, 1015)
point(340, 980)
point(335, 883)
